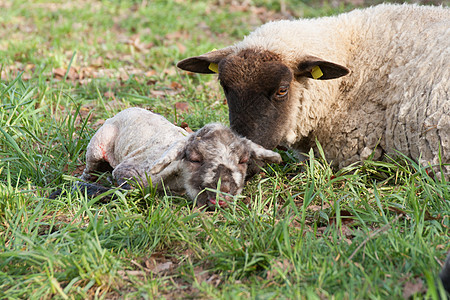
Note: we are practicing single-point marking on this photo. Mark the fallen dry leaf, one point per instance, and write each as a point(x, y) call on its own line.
point(109, 95)
point(319, 207)
point(157, 94)
point(60, 72)
point(185, 126)
point(97, 62)
point(170, 71)
point(158, 263)
point(150, 73)
point(162, 267)
point(26, 76)
point(182, 106)
point(200, 274)
point(175, 85)
point(78, 170)
point(136, 43)
point(181, 47)
point(411, 288)
point(124, 77)
point(126, 273)
point(131, 272)
point(281, 265)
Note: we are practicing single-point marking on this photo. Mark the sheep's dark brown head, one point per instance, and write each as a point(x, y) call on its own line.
point(258, 86)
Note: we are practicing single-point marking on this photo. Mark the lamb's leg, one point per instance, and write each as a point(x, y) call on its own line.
point(99, 153)
point(128, 171)
point(141, 174)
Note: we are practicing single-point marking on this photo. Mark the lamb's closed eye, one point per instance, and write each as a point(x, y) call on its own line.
point(194, 157)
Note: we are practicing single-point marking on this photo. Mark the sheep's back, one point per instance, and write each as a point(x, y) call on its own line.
point(397, 96)
point(418, 104)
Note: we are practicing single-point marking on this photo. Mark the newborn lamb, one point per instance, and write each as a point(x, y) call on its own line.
point(138, 144)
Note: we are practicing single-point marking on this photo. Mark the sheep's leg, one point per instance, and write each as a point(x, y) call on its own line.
point(100, 152)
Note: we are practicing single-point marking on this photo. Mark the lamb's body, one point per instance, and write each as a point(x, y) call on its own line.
point(397, 96)
point(132, 142)
point(138, 144)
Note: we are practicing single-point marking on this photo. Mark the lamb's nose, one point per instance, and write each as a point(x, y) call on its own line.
point(225, 188)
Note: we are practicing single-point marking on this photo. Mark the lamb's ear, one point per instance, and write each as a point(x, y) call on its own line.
point(260, 153)
point(206, 63)
point(175, 152)
point(316, 68)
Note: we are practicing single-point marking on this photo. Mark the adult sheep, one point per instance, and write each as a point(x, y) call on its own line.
point(376, 78)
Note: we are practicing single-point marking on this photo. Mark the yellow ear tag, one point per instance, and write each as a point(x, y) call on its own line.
point(212, 66)
point(316, 72)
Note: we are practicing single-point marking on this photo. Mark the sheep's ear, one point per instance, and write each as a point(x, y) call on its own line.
point(175, 152)
point(262, 154)
point(316, 68)
point(206, 63)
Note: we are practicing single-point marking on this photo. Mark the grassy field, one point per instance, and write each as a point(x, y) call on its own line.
point(377, 230)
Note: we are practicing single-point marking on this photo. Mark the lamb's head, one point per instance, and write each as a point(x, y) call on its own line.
point(213, 163)
point(216, 159)
point(261, 88)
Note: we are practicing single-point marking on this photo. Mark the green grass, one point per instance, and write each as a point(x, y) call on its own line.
point(300, 230)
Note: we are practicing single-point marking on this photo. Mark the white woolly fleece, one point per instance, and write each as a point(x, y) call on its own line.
point(397, 95)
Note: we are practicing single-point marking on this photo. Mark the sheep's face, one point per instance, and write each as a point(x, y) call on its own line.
point(215, 163)
point(259, 88)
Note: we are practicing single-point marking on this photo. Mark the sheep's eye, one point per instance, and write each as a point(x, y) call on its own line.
point(282, 91)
